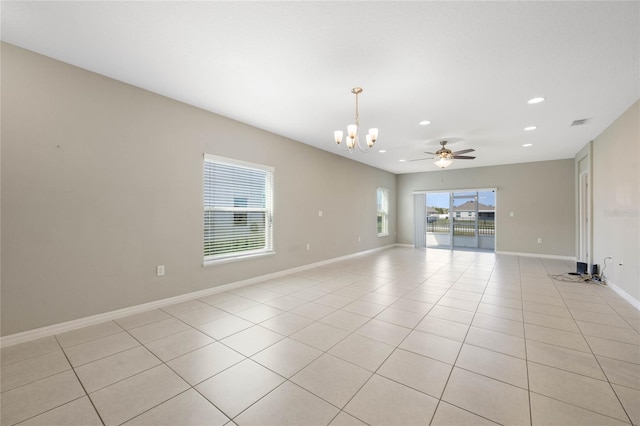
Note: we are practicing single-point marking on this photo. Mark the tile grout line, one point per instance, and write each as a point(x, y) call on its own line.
point(350, 333)
point(595, 358)
point(460, 350)
point(51, 375)
point(81, 384)
point(388, 356)
point(54, 408)
point(93, 339)
point(318, 320)
point(285, 337)
point(323, 352)
point(161, 363)
point(526, 353)
point(157, 405)
point(580, 333)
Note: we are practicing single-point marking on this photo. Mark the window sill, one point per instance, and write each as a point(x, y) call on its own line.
point(237, 258)
point(383, 235)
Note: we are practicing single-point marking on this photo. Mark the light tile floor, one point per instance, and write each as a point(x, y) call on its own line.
point(401, 336)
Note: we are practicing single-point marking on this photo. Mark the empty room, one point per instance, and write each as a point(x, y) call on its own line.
point(319, 213)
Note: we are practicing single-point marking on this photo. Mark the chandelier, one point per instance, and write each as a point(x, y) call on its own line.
point(352, 142)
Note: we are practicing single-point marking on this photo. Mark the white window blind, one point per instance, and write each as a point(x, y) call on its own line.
point(383, 211)
point(238, 208)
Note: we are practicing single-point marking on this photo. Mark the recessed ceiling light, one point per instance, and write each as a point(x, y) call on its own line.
point(402, 161)
point(530, 128)
point(527, 145)
point(382, 151)
point(535, 100)
point(425, 123)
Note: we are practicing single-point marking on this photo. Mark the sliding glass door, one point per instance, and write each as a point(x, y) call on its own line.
point(487, 220)
point(438, 219)
point(463, 219)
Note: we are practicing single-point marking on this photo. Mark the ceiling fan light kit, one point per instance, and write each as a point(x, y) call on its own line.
point(353, 141)
point(443, 162)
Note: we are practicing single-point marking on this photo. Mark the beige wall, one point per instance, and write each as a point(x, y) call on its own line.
point(102, 181)
point(616, 200)
point(541, 196)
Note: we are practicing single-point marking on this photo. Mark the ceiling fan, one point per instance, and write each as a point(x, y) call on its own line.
point(445, 156)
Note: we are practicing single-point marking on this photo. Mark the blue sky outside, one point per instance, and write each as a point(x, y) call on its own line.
point(441, 199)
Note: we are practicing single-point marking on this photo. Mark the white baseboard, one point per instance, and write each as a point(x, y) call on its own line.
point(626, 296)
point(25, 336)
point(543, 256)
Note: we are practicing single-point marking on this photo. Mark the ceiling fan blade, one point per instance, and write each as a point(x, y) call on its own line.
point(464, 151)
point(421, 159)
point(463, 157)
point(431, 153)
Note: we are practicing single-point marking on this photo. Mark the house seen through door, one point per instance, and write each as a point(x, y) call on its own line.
point(458, 219)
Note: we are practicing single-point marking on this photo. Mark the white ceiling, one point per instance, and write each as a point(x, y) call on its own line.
point(288, 67)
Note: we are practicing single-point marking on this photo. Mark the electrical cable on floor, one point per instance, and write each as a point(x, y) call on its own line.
point(572, 277)
point(580, 279)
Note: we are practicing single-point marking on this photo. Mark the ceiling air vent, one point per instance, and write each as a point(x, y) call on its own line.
point(580, 122)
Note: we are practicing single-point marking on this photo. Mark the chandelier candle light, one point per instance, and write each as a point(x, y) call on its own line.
point(352, 141)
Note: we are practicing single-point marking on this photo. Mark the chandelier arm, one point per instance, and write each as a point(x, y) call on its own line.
point(361, 149)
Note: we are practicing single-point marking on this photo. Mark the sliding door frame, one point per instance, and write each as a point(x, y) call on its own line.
point(452, 191)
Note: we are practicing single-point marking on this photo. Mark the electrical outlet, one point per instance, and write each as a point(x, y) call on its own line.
point(160, 270)
point(308, 246)
point(319, 213)
point(510, 214)
point(359, 239)
point(539, 240)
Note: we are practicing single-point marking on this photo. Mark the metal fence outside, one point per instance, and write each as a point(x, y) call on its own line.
point(462, 229)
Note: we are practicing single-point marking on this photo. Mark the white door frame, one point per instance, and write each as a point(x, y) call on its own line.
point(584, 218)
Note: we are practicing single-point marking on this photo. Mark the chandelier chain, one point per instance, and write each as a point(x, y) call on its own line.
point(357, 114)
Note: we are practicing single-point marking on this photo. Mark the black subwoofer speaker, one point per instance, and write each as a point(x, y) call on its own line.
point(581, 268)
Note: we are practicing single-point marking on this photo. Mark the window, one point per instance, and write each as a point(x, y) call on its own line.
point(238, 209)
point(240, 217)
point(383, 212)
